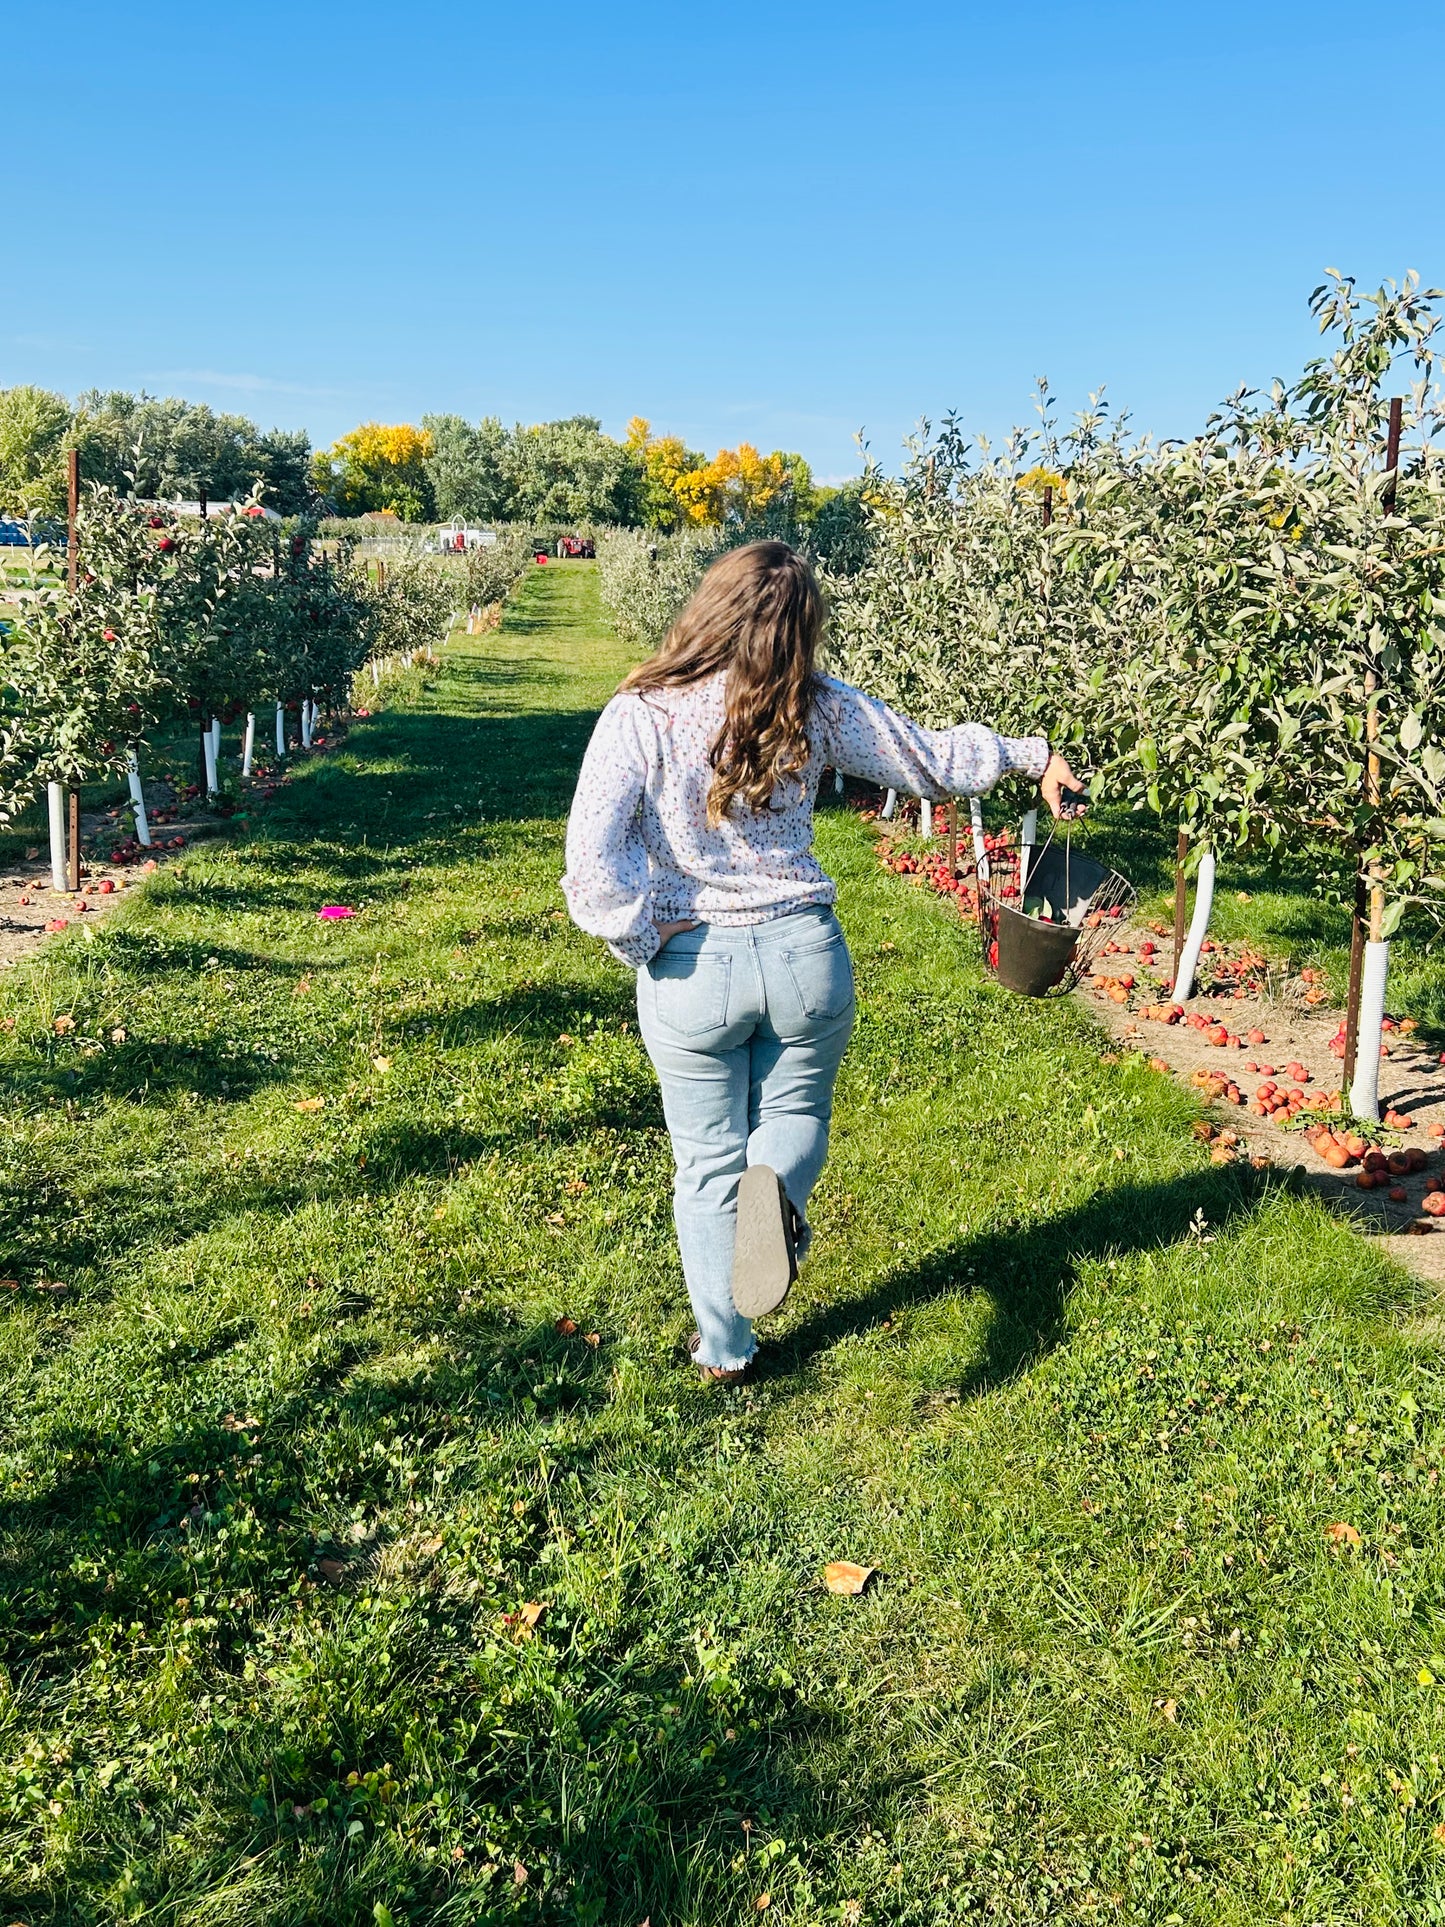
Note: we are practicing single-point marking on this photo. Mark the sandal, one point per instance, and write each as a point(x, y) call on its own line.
point(765, 1259)
point(716, 1374)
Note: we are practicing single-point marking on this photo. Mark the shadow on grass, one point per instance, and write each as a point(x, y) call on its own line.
point(1027, 1271)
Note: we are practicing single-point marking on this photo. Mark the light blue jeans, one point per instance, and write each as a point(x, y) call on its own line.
point(746, 1028)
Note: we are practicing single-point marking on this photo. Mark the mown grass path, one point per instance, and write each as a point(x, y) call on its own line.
point(289, 1469)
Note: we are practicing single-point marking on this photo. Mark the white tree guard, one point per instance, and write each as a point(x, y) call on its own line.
point(1198, 929)
point(1365, 1090)
point(890, 804)
point(55, 797)
point(925, 816)
point(375, 673)
point(305, 722)
point(1028, 838)
point(248, 742)
point(138, 799)
point(837, 782)
point(975, 820)
point(208, 749)
point(280, 730)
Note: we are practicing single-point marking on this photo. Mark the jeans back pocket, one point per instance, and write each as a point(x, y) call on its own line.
point(690, 991)
point(822, 976)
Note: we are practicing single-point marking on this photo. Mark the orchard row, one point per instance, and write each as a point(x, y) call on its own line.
point(153, 617)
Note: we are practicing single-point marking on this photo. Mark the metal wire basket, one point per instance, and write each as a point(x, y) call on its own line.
point(1043, 918)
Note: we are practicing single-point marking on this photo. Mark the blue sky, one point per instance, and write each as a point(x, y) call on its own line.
point(780, 224)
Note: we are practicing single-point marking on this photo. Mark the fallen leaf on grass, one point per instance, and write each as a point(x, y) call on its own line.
point(565, 1325)
point(1169, 1709)
point(843, 1577)
point(524, 1622)
point(333, 1571)
point(118, 1035)
point(63, 1024)
point(382, 1064)
point(32, 853)
point(555, 1218)
point(519, 1874)
point(310, 1103)
point(1342, 1535)
point(594, 1339)
point(303, 985)
point(762, 1903)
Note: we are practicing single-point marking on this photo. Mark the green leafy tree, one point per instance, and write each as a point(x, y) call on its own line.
point(569, 471)
point(83, 672)
point(162, 449)
point(468, 468)
point(34, 426)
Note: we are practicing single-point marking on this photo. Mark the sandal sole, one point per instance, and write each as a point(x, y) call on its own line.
point(763, 1264)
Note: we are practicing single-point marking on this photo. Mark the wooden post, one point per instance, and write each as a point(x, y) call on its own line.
point(72, 534)
point(72, 576)
point(72, 868)
point(1181, 898)
point(1372, 714)
point(1370, 894)
point(1392, 457)
point(1048, 504)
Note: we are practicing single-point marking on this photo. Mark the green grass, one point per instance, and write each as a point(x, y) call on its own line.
point(300, 1440)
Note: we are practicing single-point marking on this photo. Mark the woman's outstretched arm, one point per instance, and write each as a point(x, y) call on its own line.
point(606, 884)
point(862, 736)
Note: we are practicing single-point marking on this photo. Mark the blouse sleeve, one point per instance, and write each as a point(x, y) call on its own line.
point(862, 736)
point(607, 884)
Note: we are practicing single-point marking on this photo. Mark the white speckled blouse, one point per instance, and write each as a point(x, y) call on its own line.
point(639, 848)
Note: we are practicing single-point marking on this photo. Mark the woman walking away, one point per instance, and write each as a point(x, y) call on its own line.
point(690, 850)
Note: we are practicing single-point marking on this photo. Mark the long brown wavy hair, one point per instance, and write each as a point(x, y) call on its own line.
point(758, 613)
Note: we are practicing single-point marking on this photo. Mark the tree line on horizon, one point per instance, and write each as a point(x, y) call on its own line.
point(443, 469)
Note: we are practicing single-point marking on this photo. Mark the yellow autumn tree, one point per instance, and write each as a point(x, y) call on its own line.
point(682, 489)
point(669, 498)
point(379, 466)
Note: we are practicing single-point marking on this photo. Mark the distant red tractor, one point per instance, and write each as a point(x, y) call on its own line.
point(579, 548)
